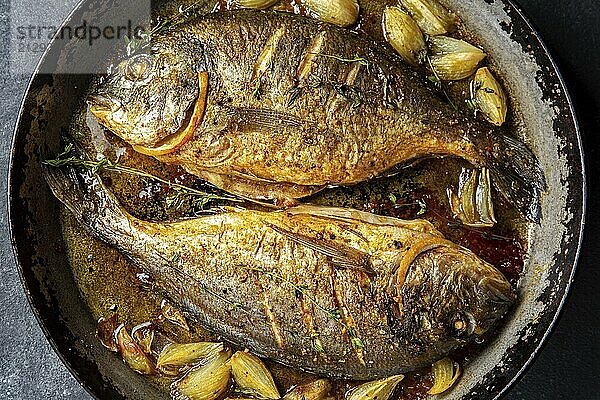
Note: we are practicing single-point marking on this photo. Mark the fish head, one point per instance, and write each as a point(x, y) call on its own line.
point(147, 98)
point(448, 297)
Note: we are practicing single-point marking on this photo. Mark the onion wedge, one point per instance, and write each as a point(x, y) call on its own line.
point(473, 203)
point(381, 389)
point(252, 376)
point(446, 372)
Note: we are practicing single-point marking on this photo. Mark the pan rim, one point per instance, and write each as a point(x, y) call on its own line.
point(10, 213)
point(584, 192)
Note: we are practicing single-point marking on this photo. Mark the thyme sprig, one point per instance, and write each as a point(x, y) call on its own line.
point(418, 202)
point(362, 61)
point(435, 78)
point(135, 44)
point(67, 158)
point(351, 93)
point(471, 102)
point(302, 290)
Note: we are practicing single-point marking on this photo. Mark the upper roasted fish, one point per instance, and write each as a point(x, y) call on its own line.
point(273, 105)
point(338, 292)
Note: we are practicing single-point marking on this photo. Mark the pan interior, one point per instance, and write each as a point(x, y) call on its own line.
point(543, 118)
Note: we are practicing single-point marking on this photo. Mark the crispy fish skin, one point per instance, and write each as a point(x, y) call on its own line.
point(337, 292)
point(295, 105)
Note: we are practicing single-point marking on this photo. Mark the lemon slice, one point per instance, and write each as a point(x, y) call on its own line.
point(175, 141)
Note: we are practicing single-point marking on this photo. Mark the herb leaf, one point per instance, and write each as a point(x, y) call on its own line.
point(67, 158)
point(334, 315)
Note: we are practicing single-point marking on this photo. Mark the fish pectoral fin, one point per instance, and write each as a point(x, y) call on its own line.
point(350, 215)
point(341, 256)
point(261, 119)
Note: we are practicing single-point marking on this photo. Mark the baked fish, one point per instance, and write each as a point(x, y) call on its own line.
point(278, 106)
point(337, 292)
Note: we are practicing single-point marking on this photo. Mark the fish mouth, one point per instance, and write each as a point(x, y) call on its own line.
point(101, 104)
point(497, 291)
point(193, 119)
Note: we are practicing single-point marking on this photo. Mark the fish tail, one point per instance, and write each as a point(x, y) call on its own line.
point(84, 194)
point(517, 174)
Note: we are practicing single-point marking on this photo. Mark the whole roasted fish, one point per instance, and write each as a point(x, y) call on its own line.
point(273, 105)
point(337, 292)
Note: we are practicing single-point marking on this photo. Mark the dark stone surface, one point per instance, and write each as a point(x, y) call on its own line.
point(569, 365)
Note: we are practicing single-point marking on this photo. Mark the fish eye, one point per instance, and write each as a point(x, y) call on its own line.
point(138, 67)
point(462, 325)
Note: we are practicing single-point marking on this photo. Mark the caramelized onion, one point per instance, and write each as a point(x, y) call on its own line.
point(132, 353)
point(380, 389)
point(252, 376)
point(446, 372)
point(178, 355)
point(204, 382)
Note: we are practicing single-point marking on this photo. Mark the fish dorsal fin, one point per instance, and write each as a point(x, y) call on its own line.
point(349, 215)
point(342, 256)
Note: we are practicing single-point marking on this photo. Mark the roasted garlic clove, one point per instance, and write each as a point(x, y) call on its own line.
point(143, 334)
point(489, 96)
point(446, 372)
point(173, 315)
point(337, 12)
point(402, 32)
point(132, 353)
point(178, 355)
point(204, 382)
point(105, 332)
point(431, 16)
point(473, 203)
point(380, 389)
point(453, 59)
point(252, 376)
point(316, 390)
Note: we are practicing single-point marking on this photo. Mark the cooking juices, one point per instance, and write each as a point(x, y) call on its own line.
point(108, 282)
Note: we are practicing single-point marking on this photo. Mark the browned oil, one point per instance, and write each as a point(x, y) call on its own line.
point(108, 282)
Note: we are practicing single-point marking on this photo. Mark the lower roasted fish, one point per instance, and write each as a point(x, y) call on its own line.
point(337, 292)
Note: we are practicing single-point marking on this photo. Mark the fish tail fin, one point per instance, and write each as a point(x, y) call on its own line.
point(84, 194)
point(517, 174)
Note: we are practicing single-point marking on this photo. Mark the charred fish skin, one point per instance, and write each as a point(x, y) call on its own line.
point(336, 292)
point(295, 105)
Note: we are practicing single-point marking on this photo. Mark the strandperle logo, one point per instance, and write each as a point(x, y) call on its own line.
point(92, 33)
point(88, 32)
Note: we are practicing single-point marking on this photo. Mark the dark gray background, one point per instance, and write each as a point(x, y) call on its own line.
point(567, 368)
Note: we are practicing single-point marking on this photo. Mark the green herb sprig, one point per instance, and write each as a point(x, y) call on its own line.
point(67, 158)
point(302, 290)
point(136, 44)
point(362, 61)
point(351, 93)
point(435, 79)
point(421, 203)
